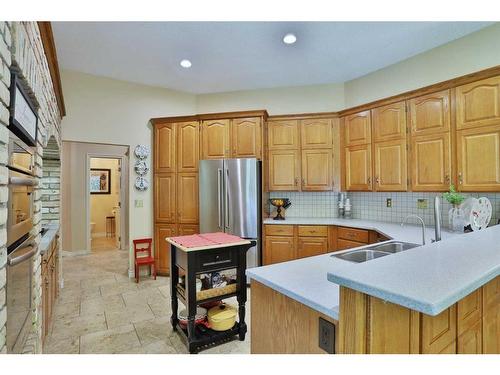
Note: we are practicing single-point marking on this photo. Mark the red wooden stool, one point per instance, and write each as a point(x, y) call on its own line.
point(143, 260)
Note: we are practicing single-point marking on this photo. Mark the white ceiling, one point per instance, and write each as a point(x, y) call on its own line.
point(229, 56)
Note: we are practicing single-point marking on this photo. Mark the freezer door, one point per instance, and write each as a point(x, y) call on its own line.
point(211, 194)
point(241, 199)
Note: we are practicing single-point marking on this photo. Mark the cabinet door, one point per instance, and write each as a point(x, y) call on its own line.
point(278, 249)
point(187, 198)
point(162, 247)
point(164, 148)
point(188, 146)
point(317, 170)
point(284, 170)
point(246, 137)
point(471, 341)
point(438, 332)
point(357, 128)
point(316, 133)
point(215, 139)
point(478, 159)
point(165, 210)
point(310, 246)
point(347, 244)
point(283, 135)
point(45, 302)
point(389, 122)
point(358, 168)
point(478, 103)
point(431, 162)
point(188, 229)
point(430, 113)
point(390, 166)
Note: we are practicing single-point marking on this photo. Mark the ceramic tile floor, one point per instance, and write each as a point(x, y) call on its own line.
point(101, 310)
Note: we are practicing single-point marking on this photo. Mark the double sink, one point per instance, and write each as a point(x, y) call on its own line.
point(375, 251)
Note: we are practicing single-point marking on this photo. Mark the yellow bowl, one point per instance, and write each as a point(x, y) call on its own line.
point(222, 317)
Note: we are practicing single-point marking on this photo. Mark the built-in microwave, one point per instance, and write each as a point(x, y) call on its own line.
point(21, 185)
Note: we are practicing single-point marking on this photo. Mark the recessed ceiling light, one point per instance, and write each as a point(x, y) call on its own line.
point(186, 63)
point(289, 38)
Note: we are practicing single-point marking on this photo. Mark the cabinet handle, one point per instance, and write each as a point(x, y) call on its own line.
point(303, 182)
point(369, 181)
point(296, 181)
point(377, 181)
point(460, 181)
point(447, 179)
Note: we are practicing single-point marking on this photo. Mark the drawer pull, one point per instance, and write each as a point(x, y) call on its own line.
point(216, 262)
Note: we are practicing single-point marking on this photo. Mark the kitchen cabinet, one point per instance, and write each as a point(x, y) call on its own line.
point(310, 246)
point(357, 129)
point(283, 134)
point(316, 133)
point(317, 170)
point(188, 146)
point(188, 229)
point(215, 139)
point(284, 170)
point(390, 166)
point(478, 104)
point(438, 333)
point(279, 249)
point(491, 317)
point(162, 247)
point(187, 198)
point(246, 137)
point(165, 148)
point(165, 198)
point(50, 284)
point(358, 168)
point(478, 159)
point(431, 162)
point(389, 122)
point(430, 114)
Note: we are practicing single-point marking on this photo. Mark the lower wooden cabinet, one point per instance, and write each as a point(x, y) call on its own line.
point(310, 246)
point(50, 284)
point(278, 249)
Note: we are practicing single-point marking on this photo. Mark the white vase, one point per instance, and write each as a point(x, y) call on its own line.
point(456, 217)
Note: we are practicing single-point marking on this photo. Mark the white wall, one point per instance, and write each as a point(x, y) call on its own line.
point(474, 52)
point(277, 101)
point(105, 110)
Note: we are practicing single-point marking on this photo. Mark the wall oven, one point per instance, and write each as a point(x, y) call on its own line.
point(21, 245)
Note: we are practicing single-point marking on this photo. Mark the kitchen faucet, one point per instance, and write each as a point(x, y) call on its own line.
point(437, 219)
point(421, 222)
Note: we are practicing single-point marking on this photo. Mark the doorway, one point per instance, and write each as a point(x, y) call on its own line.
point(105, 203)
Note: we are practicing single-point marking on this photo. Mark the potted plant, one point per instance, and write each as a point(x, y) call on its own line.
point(456, 215)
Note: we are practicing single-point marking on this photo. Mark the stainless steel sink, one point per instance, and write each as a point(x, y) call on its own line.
point(375, 251)
point(362, 255)
point(394, 247)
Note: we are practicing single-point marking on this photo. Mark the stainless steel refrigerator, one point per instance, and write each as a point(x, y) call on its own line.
point(230, 200)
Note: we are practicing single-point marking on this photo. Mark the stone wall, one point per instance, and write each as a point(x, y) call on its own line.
point(51, 183)
point(21, 48)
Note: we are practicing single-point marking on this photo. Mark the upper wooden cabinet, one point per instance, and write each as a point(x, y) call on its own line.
point(164, 190)
point(317, 170)
point(390, 166)
point(358, 168)
point(389, 122)
point(188, 146)
point(478, 159)
point(357, 128)
point(284, 170)
point(283, 135)
point(215, 139)
point(246, 137)
point(316, 133)
point(187, 198)
point(431, 162)
point(165, 148)
point(430, 113)
point(478, 103)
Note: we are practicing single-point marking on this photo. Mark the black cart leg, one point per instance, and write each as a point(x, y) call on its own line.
point(174, 280)
point(242, 293)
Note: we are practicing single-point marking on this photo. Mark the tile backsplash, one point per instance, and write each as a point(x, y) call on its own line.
point(372, 206)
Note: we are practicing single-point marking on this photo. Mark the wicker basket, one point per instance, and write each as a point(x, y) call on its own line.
point(215, 292)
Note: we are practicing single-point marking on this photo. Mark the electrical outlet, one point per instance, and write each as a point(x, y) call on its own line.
point(326, 336)
point(422, 203)
point(388, 202)
point(139, 203)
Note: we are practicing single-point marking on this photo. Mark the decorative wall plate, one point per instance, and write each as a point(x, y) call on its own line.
point(141, 167)
point(141, 183)
point(141, 151)
point(481, 214)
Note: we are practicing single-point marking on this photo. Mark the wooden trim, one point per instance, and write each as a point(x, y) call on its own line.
point(304, 116)
point(210, 116)
point(451, 83)
point(353, 319)
point(49, 48)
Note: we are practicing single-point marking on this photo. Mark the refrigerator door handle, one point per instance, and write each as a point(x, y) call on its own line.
point(226, 203)
point(219, 197)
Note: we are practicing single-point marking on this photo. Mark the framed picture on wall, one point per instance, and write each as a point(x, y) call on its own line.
point(100, 181)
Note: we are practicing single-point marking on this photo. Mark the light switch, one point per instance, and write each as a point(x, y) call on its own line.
point(139, 203)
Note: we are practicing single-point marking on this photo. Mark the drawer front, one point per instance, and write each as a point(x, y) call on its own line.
point(347, 244)
point(216, 259)
point(351, 234)
point(313, 231)
point(279, 230)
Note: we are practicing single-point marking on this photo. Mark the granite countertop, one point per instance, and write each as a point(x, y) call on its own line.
point(307, 280)
point(48, 237)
